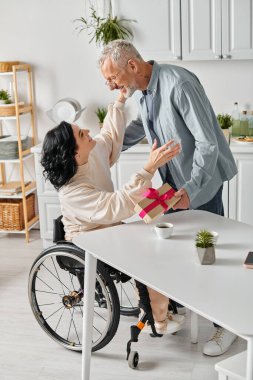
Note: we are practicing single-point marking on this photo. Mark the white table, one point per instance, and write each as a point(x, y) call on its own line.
point(221, 292)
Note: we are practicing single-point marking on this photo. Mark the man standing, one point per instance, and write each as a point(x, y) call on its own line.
point(173, 105)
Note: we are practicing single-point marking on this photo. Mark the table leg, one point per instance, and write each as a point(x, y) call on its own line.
point(249, 365)
point(88, 310)
point(194, 327)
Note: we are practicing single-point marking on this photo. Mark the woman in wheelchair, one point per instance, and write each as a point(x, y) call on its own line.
point(78, 166)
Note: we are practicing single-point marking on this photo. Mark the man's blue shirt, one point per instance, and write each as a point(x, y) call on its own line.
point(182, 111)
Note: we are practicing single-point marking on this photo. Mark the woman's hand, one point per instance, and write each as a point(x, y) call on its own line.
point(121, 98)
point(159, 156)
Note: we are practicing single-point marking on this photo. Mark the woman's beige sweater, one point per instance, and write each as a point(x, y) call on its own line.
point(89, 201)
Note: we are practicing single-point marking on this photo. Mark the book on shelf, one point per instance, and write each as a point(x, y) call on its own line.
point(12, 188)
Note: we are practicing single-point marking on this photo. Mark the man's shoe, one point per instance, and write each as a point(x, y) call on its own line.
point(170, 325)
point(219, 342)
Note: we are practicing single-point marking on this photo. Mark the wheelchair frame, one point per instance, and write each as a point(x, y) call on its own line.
point(72, 260)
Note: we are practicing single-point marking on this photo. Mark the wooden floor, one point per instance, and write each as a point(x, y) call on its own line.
point(27, 353)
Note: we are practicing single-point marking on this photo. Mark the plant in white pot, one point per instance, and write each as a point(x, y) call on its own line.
point(225, 122)
point(101, 114)
point(205, 247)
point(4, 97)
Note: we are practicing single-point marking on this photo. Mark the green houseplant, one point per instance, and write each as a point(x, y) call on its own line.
point(205, 247)
point(104, 29)
point(4, 97)
point(225, 122)
point(101, 114)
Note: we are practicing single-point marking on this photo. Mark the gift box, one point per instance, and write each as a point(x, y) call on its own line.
point(156, 202)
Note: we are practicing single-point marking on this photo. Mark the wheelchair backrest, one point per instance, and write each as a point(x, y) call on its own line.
point(72, 265)
point(58, 231)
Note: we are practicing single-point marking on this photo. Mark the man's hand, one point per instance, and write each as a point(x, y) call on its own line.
point(184, 202)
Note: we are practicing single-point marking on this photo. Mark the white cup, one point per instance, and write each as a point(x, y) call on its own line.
point(163, 230)
point(215, 236)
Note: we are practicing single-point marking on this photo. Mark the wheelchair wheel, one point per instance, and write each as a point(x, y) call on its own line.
point(128, 299)
point(56, 297)
point(133, 359)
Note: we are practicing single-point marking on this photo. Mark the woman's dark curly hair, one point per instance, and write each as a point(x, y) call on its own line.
point(58, 155)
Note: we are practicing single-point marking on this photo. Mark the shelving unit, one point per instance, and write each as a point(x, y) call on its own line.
point(23, 155)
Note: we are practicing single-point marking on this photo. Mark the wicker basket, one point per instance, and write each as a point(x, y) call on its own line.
point(7, 66)
point(11, 213)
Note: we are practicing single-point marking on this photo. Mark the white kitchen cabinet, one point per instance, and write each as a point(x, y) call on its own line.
point(48, 201)
point(168, 30)
point(217, 29)
point(201, 29)
point(49, 209)
point(157, 32)
point(241, 186)
point(129, 163)
point(237, 29)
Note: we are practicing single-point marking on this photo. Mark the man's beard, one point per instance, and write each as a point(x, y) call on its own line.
point(129, 92)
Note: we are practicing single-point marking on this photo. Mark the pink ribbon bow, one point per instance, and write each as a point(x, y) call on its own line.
point(158, 200)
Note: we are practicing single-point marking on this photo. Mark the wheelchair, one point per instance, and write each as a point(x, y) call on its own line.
point(55, 290)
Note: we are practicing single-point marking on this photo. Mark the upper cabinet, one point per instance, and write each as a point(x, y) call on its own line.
point(191, 29)
point(201, 29)
point(157, 32)
point(237, 29)
point(217, 29)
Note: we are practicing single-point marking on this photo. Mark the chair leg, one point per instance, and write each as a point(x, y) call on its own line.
point(194, 328)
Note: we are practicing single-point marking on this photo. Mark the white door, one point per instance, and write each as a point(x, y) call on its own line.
point(237, 29)
point(201, 29)
point(157, 29)
point(130, 164)
point(241, 190)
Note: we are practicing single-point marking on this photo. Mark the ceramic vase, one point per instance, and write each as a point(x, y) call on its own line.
point(206, 256)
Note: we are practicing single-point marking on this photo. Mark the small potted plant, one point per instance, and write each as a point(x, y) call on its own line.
point(225, 122)
point(205, 247)
point(101, 114)
point(104, 29)
point(4, 97)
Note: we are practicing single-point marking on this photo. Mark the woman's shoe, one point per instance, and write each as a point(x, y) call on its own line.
point(170, 325)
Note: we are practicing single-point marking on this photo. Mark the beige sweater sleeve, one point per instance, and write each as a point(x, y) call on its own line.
point(94, 206)
point(113, 131)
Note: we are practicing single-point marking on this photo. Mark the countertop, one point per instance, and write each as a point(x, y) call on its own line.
point(236, 147)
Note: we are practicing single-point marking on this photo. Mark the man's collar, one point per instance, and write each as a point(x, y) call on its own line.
point(152, 86)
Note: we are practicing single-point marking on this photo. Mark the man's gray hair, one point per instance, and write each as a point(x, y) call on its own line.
point(120, 51)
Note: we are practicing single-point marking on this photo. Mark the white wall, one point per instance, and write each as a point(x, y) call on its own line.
point(41, 32)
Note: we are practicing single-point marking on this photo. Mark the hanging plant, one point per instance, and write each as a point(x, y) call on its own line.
point(104, 29)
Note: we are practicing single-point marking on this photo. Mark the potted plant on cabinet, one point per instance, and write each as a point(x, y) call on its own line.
point(101, 114)
point(205, 247)
point(105, 29)
point(225, 122)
